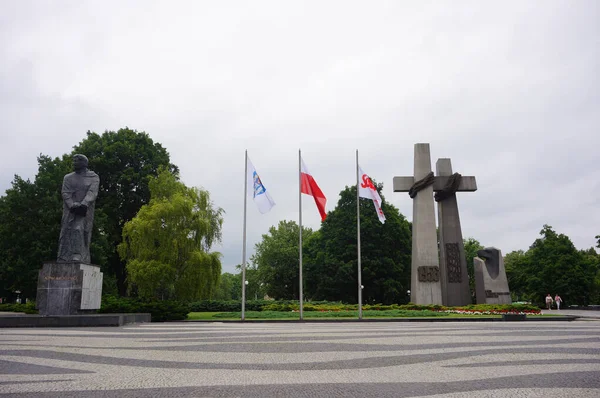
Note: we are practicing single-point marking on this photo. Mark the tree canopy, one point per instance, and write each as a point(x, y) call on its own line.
point(472, 246)
point(276, 259)
point(167, 244)
point(30, 217)
point(229, 288)
point(30, 212)
point(332, 261)
point(553, 265)
point(125, 160)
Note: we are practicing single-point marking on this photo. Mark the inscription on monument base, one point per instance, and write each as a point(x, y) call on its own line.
point(490, 294)
point(429, 274)
point(68, 288)
point(453, 265)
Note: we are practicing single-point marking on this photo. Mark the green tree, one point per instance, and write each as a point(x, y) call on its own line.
point(229, 288)
point(592, 261)
point(125, 160)
point(331, 255)
point(276, 259)
point(166, 245)
point(30, 212)
point(517, 264)
point(255, 288)
point(472, 246)
point(553, 265)
point(559, 268)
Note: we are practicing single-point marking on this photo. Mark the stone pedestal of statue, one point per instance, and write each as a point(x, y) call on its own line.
point(68, 288)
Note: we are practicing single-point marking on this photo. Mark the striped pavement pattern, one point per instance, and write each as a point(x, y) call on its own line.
point(391, 359)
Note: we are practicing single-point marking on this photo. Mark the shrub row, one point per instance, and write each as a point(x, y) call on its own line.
point(28, 308)
point(329, 314)
point(160, 311)
point(227, 306)
point(290, 305)
point(174, 310)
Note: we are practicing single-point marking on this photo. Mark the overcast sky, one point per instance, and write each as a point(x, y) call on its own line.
point(508, 90)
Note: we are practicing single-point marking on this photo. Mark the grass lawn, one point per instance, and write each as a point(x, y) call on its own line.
point(278, 315)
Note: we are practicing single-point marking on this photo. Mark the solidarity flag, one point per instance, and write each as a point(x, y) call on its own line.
point(366, 189)
point(257, 191)
point(309, 187)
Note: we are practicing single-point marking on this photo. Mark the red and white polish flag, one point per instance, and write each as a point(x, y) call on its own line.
point(309, 187)
point(366, 189)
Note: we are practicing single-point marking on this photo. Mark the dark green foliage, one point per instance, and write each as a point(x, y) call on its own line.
point(125, 160)
point(285, 305)
point(256, 288)
point(230, 287)
point(30, 216)
point(553, 265)
point(30, 212)
point(163, 310)
point(227, 305)
point(331, 254)
point(28, 308)
point(293, 306)
point(591, 261)
point(472, 246)
point(333, 314)
point(276, 259)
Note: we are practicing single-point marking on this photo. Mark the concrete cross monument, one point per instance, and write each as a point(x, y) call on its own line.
point(453, 264)
point(430, 283)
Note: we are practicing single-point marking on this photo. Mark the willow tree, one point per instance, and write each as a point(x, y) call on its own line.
point(167, 244)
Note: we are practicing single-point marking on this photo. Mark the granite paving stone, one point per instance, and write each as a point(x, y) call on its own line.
point(184, 359)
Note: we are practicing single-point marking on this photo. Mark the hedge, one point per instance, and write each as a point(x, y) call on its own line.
point(28, 308)
point(167, 310)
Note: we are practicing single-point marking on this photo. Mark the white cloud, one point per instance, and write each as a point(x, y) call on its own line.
point(509, 91)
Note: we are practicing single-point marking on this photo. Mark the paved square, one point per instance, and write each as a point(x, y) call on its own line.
point(457, 359)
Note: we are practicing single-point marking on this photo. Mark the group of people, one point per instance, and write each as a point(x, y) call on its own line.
point(556, 299)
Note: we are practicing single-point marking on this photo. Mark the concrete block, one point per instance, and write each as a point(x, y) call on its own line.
point(491, 284)
point(68, 288)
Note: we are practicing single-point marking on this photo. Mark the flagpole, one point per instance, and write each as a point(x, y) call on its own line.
point(358, 239)
point(300, 225)
point(244, 238)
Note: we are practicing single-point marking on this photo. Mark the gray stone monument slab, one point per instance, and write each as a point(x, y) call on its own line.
point(68, 288)
point(425, 271)
point(491, 284)
point(453, 264)
point(420, 187)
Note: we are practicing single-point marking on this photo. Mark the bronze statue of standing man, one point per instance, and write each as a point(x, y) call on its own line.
point(79, 192)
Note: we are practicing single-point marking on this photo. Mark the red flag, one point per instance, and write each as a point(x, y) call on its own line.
point(309, 187)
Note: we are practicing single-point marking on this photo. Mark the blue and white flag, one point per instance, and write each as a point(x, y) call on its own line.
point(257, 191)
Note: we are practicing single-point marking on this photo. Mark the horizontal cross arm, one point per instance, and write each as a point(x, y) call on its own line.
point(467, 183)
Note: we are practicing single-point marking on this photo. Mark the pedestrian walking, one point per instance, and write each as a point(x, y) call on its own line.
point(549, 301)
point(558, 301)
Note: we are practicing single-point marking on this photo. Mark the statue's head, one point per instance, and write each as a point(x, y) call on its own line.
point(80, 162)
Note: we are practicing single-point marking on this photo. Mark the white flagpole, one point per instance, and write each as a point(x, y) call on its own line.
point(300, 225)
point(358, 239)
point(244, 239)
